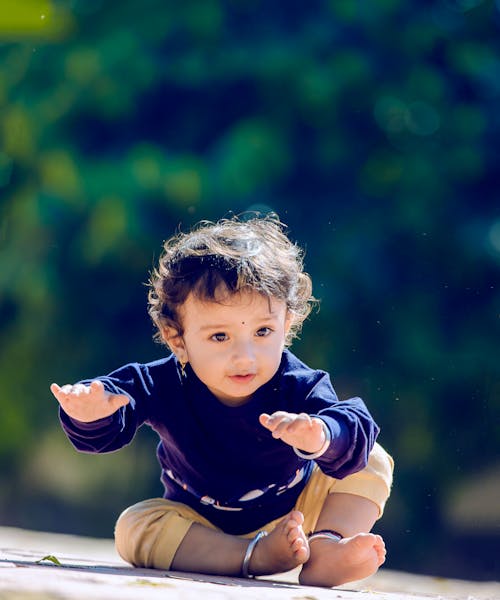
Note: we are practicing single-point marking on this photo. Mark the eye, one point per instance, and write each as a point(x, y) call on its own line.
point(219, 337)
point(263, 332)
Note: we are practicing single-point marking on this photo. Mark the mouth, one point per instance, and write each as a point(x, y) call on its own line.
point(244, 378)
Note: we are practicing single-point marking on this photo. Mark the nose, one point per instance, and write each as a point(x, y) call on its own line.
point(243, 354)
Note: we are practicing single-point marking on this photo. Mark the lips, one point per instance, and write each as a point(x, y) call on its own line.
point(243, 378)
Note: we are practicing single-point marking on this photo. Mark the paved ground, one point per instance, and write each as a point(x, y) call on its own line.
point(90, 569)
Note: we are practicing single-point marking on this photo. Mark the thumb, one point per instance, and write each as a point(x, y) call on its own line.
point(115, 400)
point(118, 400)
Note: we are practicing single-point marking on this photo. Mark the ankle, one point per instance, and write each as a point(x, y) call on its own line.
point(246, 570)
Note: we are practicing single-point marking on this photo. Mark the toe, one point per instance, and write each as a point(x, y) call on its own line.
point(297, 516)
point(297, 544)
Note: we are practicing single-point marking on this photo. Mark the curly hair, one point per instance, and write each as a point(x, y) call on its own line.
point(231, 255)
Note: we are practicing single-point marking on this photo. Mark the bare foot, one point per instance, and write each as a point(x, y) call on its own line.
point(283, 549)
point(334, 563)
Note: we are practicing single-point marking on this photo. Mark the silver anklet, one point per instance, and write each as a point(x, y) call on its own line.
point(249, 552)
point(325, 534)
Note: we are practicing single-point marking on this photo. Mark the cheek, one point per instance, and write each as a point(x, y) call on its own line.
point(203, 354)
point(273, 351)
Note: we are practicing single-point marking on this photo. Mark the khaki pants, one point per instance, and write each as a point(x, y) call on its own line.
point(148, 533)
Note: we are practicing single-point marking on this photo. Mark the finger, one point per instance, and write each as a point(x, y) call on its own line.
point(282, 427)
point(79, 389)
point(55, 389)
point(57, 392)
point(276, 418)
point(269, 421)
point(264, 419)
point(274, 425)
point(61, 391)
point(301, 422)
point(118, 400)
point(97, 386)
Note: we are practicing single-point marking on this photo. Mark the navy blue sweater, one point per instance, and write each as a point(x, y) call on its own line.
point(219, 459)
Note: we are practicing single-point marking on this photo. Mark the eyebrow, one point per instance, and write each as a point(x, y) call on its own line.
point(270, 317)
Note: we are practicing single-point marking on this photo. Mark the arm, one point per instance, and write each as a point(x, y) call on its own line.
point(350, 426)
point(102, 415)
point(354, 433)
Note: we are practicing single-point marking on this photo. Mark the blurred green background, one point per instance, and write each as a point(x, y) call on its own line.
point(372, 128)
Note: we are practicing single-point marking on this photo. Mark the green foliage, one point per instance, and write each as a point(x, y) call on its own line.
point(370, 128)
point(50, 558)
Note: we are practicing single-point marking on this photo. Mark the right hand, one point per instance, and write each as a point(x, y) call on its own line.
point(88, 403)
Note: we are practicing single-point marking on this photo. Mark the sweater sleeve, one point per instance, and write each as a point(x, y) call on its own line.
point(353, 435)
point(352, 429)
point(117, 430)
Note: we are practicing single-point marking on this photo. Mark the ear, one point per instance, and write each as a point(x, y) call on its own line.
point(289, 319)
point(175, 342)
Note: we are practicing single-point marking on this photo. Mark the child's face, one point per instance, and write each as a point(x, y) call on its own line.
point(233, 346)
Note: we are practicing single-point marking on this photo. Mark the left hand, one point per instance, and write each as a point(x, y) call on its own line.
point(299, 430)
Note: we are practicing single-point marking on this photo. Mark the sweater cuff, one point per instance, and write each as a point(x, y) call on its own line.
point(85, 425)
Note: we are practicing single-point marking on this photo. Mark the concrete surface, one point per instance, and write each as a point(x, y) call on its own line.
point(90, 569)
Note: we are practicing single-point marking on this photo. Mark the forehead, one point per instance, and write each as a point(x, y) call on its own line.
point(231, 305)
